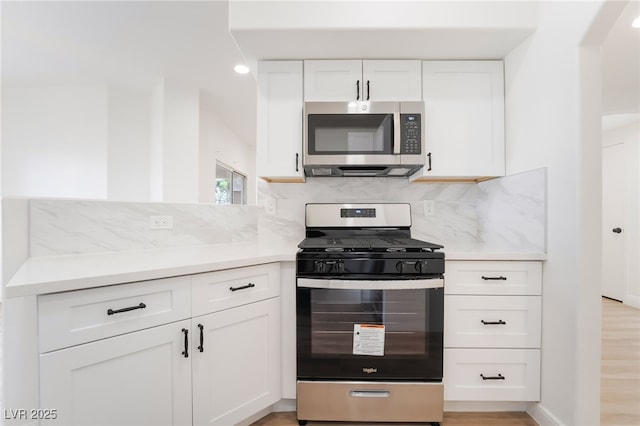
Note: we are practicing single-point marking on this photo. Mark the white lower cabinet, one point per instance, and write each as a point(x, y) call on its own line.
point(492, 374)
point(139, 378)
point(217, 368)
point(492, 330)
point(237, 373)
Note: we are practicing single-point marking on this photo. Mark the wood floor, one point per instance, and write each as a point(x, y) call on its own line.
point(620, 378)
point(620, 368)
point(450, 419)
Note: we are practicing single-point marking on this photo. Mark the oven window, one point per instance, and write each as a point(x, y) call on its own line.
point(403, 313)
point(340, 134)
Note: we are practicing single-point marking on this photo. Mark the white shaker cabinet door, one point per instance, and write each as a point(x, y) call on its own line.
point(279, 121)
point(333, 80)
point(236, 370)
point(464, 119)
point(392, 81)
point(140, 378)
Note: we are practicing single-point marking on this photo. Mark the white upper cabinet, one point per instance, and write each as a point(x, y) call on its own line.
point(353, 80)
point(464, 116)
point(279, 121)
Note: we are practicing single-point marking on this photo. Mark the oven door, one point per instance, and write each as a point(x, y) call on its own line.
point(370, 330)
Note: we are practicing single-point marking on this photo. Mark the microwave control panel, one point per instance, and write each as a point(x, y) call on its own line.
point(410, 134)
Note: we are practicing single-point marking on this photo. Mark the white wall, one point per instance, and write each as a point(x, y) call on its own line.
point(180, 144)
point(629, 134)
point(128, 151)
point(219, 143)
point(553, 111)
point(116, 143)
point(54, 141)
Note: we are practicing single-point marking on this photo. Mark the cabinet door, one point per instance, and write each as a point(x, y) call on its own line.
point(464, 110)
point(279, 121)
point(237, 373)
point(391, 81)
point(333, 80)
point(140, 378)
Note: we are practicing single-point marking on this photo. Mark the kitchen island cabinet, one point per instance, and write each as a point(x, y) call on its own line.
point(136, 364)
point(139, 378)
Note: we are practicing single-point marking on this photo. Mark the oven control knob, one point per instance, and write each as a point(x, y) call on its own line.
point(339, 267)
point(401, 266)
point(422, 266)
point(319, 266)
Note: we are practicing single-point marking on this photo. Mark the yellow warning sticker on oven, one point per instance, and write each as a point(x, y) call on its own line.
point(368, 339)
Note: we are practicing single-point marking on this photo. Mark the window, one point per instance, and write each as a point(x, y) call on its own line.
point(231, 186)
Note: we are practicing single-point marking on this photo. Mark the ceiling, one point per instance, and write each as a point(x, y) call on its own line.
point(136, 44)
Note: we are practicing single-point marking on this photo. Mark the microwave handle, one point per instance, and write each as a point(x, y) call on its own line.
point(396, 133)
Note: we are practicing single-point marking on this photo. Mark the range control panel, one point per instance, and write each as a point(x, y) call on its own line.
point(410, 134)
point(357, 212)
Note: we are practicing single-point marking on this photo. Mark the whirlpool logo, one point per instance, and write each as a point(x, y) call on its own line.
point(369, 370)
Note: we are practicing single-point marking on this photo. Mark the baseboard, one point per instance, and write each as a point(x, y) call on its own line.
point(285, 405)
point(542, 415)
point(483, 406)
point(633, 301)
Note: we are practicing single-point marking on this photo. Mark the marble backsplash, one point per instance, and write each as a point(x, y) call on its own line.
point(454, 223)
point(512, 213)
point(59, 227)
point(504, 214)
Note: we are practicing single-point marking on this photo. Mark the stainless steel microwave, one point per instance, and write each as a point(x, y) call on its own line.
point(363, 138)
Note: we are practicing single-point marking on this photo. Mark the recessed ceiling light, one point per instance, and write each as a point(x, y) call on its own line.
point(636, 22)
point(241, 69)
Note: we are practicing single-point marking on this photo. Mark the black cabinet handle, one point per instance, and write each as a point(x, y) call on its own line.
point(186, 343)
point(297, 160)
point(617, 230)
point(499, 322)
point(367, 89)
point(500, 278)
point(429, 159)
point(250, 285)
point(357, 90)
point(498, 377)
point(130, 308)
point(201, 347)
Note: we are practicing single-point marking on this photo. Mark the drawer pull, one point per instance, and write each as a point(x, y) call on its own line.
point(250, 285)
point(130, 308)
point(498, 377)
point(186, 343)
point(201, 347)
point(370, 393)
point(499, 322)
point(500, 278)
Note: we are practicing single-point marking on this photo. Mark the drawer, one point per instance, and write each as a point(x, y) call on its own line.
point(493, 277)
point(75, 317)
point(492, 321)
point(492, 374)
point(214, 291)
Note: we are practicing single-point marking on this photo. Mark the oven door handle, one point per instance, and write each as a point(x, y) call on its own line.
point(426, 283)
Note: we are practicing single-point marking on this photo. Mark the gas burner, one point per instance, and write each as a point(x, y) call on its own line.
point(395, 249)
point(334, 249)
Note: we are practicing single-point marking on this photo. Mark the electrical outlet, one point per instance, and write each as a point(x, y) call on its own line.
point(161, 222)
point(429, 207)
point(270, 205)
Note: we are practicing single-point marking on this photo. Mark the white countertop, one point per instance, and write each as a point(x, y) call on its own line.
point(51, 274)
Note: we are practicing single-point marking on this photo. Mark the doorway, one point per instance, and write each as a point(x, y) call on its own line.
point(614, 230)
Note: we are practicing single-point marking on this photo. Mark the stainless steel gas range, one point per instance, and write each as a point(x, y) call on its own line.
point(369, 308)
